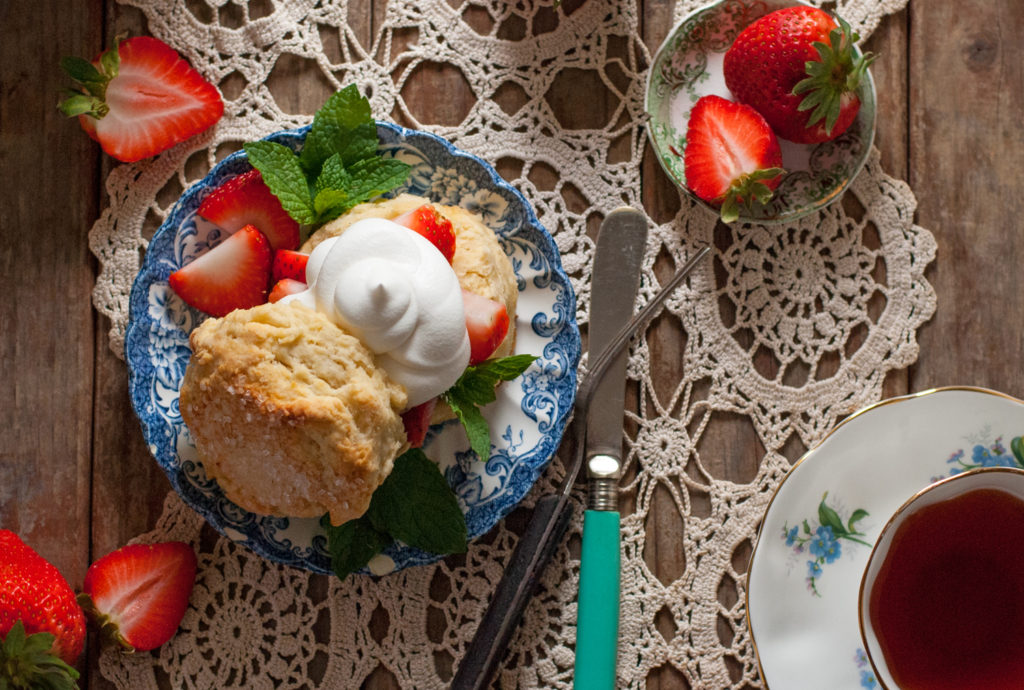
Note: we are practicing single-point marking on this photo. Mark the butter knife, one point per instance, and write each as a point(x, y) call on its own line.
point(550, 517)
point(615, 282)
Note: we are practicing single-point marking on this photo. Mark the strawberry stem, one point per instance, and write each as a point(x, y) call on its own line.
point(746, 190)
point(835, 73)
point(27, 662)
point(91, 82)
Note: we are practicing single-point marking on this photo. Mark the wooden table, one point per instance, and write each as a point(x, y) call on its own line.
point(76, 479)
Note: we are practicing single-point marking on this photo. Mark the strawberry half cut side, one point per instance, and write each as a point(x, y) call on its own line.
point(246, 200)
point(140, 98)
point(285, 287)
point(732, 157)
point(232, 275)
point(487, 323)
point(426, 221)
point(138, 594)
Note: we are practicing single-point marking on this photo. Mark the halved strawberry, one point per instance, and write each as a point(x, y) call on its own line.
point(232, 275)
point(732, 156)
point(246, 200)
point(139, 593)
point(289, 264)
point(285, 287)
point(140, 98)
point(487, 324)
point(417, 420)
point(428, 222)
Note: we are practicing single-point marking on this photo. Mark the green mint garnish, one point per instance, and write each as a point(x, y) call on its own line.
point(338, 166)
point(474, 389)
point(414, 505)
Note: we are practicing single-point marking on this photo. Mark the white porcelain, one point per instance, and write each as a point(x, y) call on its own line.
point(804, 580)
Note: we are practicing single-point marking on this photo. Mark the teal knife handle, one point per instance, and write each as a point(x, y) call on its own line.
point(597, 626)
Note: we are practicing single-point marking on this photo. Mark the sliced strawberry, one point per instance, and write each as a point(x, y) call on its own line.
point(246, 200)
point(232, 275)
point(487, 324)
point(139, 593)
point(417, 420)
point(141, 99)
point(285, 287)
point(428, 222)
point(289, 264)
point(732, 156)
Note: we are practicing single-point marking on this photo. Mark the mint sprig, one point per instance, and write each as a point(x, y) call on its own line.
point(414, 505)
point(474, 389)
point(338, 166)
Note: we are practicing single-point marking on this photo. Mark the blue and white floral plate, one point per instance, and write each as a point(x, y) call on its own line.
point(817, 533)
point(526, 421)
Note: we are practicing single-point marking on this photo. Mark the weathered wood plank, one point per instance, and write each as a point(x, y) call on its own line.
point(965, 98)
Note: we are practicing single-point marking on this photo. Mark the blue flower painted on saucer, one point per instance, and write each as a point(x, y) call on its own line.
point(988, 454)
point(821, 539)
point(867, 674)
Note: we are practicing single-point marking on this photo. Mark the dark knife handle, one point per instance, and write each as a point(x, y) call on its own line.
point(542, 536)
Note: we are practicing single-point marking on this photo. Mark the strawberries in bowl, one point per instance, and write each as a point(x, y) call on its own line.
point(828, 132)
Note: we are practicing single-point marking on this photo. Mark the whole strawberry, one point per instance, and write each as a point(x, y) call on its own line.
point(797, 68)
point(34, 594)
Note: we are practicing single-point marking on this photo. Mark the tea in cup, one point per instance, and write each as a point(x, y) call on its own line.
point(942, 597)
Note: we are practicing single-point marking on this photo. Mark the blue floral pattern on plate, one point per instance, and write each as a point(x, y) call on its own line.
point(821, 539)
point(527, 421)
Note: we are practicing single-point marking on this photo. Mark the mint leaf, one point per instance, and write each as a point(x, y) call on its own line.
point(360, 142)
point(508, 368)
point(333, 175)
point(477, 429)
point(342, 117)
point(371, 177)
point(474, 389)
point(353, 544)
point(330, 203)
point(416, 506)
point(283, 174)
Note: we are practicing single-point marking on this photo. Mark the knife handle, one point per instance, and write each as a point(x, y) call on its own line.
point(542, 536)
point(597, 618)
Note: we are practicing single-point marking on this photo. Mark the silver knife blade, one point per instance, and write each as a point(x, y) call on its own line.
point(621, 243)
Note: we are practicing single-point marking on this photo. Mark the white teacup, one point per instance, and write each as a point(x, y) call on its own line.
point(942, 597)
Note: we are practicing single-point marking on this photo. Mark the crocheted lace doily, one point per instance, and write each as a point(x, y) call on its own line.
point(831, 304)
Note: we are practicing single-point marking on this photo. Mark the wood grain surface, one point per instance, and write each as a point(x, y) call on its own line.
point(76, 480)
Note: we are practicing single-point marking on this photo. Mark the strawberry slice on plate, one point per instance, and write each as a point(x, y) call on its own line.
point(140, 98)
point(487, 324)
point(417, 420)
point(289, 264)
point(232, 275)
point(732, 156)
point(285, 287)
point(246, 200)
point(138, 594)
point(426, 221)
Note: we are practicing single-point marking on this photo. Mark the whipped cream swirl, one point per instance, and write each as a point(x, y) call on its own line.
point(391, 288)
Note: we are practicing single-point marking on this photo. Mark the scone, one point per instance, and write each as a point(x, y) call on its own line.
point(290, 414)
point(479, 263)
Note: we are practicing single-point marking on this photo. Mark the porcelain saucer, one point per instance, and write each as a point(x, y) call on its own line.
point(827, 512)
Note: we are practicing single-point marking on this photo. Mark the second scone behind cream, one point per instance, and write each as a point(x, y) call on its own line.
point(290, 414)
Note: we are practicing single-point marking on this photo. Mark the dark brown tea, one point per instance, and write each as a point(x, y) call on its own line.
point(947, 605)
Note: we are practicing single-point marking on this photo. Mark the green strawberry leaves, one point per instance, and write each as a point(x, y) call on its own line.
point(414, 505)
point(338, 166)
point(837, 71)
point(27, 661)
